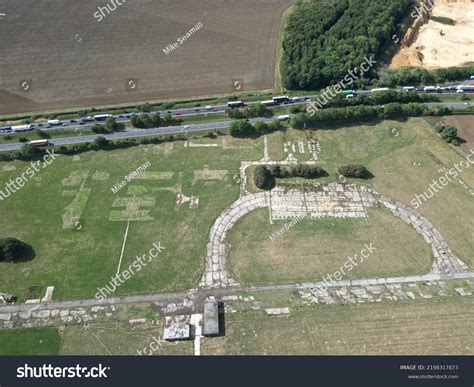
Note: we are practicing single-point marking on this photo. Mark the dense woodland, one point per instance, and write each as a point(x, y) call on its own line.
point(323, 40)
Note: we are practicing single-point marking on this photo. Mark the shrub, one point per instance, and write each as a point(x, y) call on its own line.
point(449, 133)
point(354, 171)
point(99, 143)
point(241, 128)
point(262, 178)
point(14, 250)
point(275, 170)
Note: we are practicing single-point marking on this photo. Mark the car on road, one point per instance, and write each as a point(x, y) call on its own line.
point(178, 113)
point(186, 126)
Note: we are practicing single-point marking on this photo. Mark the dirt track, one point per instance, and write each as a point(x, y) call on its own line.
point(70, 59)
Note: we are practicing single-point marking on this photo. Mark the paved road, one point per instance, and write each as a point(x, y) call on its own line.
point(176, 297)
point(137, 133)
point(183, 112)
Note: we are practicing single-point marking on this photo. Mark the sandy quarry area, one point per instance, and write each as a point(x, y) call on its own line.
point(439, 44)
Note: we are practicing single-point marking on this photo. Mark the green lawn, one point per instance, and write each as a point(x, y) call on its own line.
point(75, 261)
point(404, 162)
point(102, 339)
point(312, 249)
point(35, 341)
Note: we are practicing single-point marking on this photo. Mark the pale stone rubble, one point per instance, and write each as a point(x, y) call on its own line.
point(215, 274)
point(333, 200)
point(352, 294)
point(317, 201)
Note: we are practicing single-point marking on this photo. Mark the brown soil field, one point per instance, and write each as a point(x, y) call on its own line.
point(436, 43)
point(69, 59)
point(465, 126)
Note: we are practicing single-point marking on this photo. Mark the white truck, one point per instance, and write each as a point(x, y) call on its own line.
point(21, 128)
point(54, 122)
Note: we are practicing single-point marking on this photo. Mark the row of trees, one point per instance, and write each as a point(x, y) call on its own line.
point(154, 120)
point(110, 125)
point(355, 171)
point(322, 43)
point(29, 152)
point(253, 111)
point(243, 128)
point(264, 176)
point(417, 76)
point(380, 99)
point(357, 113)
point(300, 170)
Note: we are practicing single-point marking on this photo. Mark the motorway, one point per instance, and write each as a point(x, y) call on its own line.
point(179, 113)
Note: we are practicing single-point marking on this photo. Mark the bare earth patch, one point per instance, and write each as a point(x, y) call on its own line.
point(465, 126)
point(77, 61)
point(439, 44)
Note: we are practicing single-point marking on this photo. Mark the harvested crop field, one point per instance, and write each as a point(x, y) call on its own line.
point(58, 54)
point(445, 40)
point(465, 126)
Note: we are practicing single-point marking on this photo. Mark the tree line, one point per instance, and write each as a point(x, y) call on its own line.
point(323, 42)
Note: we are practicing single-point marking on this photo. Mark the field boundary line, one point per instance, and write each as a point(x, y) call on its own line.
point(123, 248)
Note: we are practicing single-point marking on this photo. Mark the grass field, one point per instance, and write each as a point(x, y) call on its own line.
point(77, 258)
point(404, 163)
point(237, 41)
point(37, 341)
point(438, 326)
point(114, 339)
point(314, 248)
point(77, 261)
point(404, 157)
